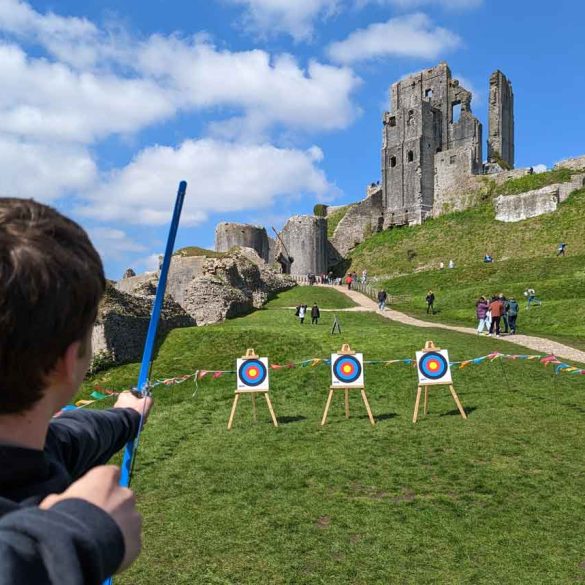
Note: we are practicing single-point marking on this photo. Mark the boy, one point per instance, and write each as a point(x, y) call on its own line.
point(51, 282)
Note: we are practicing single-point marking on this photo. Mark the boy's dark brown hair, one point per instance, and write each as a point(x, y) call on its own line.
point(51, 282)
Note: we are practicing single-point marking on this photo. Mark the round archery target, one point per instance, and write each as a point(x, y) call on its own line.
point(347, 370)
point(433, 366)
point(252, 373)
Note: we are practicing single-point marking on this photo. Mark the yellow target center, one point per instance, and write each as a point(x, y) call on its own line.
point(433, 366)
point(347, 369)
point(252, 372)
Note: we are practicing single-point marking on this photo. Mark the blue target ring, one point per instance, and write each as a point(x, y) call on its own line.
point(347, 369)
point(433, 365)
point(252, 372)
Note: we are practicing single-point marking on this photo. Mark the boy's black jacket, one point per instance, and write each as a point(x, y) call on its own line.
point(74, 542)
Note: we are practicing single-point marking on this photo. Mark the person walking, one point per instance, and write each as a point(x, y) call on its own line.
point(531, 299)
point(430, 299)
point(561, 249)
point(382, 298)
point(315, 314)
point(497, 310)
point(348, 281)
point(302, 313)
point(505, 313)
point(451, 264)
point(513, 310)
point(481, 310)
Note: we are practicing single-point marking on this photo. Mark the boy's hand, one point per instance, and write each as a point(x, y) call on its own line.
point(100, 487)
point(140, 405)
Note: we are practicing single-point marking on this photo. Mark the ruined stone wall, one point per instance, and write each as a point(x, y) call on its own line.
point(232, 235)
point(574, 164)
point(501, 120)
point(511, 208)
point(361, 220)
point(305, 238)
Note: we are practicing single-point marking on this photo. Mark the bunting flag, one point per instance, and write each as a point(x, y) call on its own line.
point(101, 393)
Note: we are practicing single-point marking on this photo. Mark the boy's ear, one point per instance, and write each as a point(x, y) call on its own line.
point(66, 366)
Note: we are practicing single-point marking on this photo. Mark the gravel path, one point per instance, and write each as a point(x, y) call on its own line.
point(539, 344)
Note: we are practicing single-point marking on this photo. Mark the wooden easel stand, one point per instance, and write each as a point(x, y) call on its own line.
point(332, 389)
point(253, 394)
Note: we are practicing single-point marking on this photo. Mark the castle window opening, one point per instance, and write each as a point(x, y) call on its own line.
point(452, 159)
point(392, 121)
point(428, 93)
point(392, 161)
point(456, 112)
point(410, 156)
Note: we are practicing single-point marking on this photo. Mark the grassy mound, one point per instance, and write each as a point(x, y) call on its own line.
point(443, 501)
point(465, 237)
point(324, 297)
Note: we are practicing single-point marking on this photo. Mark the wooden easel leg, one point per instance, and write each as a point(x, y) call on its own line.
point(456, 398)
point(254, 407)
point(426, 400)
point(327, 405)
point(233, 413)
point(416, 404)
point(346, 403)
point(365, 399)
point(274, 421)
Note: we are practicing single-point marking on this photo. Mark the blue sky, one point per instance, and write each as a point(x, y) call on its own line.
point(265, 106)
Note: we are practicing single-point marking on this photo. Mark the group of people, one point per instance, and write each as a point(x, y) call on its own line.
point(301, 312)
point(494, 312)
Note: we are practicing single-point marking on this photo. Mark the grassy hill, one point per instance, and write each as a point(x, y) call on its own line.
point(465, 237)
point(406, 262)
point(442, 501)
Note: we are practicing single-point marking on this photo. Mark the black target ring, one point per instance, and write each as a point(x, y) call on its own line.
point(252, 372)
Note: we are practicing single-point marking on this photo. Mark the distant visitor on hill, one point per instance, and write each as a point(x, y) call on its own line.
point(315, 314)
point(513, 310)
point(364, 276)
point(531, 299)
point(561, 249)
point(487, 259)
point(481, 310)
point(430, 299)
point(441, 265)
point(301, 313)
point(451, 264)
point(505, 313)
point(382, 297)
point(348, 281)
point(497, 310)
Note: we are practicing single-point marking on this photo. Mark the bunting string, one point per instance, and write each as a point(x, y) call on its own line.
point(100, 393)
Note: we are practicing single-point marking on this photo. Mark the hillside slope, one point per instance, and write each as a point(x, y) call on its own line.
point(466, 236)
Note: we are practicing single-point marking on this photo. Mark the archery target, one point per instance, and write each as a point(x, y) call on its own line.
point(252, 374)
point(433, 367)
point(347, 370)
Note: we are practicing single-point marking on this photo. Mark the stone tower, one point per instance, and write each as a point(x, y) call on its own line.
point(305, 240)
point(430, 114)
point(230, 235)
point(501, 120)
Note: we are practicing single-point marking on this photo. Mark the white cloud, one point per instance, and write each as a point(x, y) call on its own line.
point(294, 17)
point(113, 243)
point(43, 171)
point(413, 4)
point(222, 176)
point(49, 101)
point(404, 36)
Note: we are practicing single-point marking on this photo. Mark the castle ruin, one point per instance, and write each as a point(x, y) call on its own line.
point(431, 140)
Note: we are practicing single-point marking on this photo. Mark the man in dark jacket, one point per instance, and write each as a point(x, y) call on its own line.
point(513, 310)
point(430, 298)
point(315, 314)
point(57, 524)
point(382, 298)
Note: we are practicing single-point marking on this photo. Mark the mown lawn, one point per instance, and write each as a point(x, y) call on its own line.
point(495, 499)
point(558, 282)
point(325, 298)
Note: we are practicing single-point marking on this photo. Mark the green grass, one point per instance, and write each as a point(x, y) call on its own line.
point(326, 298)
point(334, 218)
point(495, 499)
point(535, 181)
point(466, 236)
point(197, 251)
point(559, 283)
